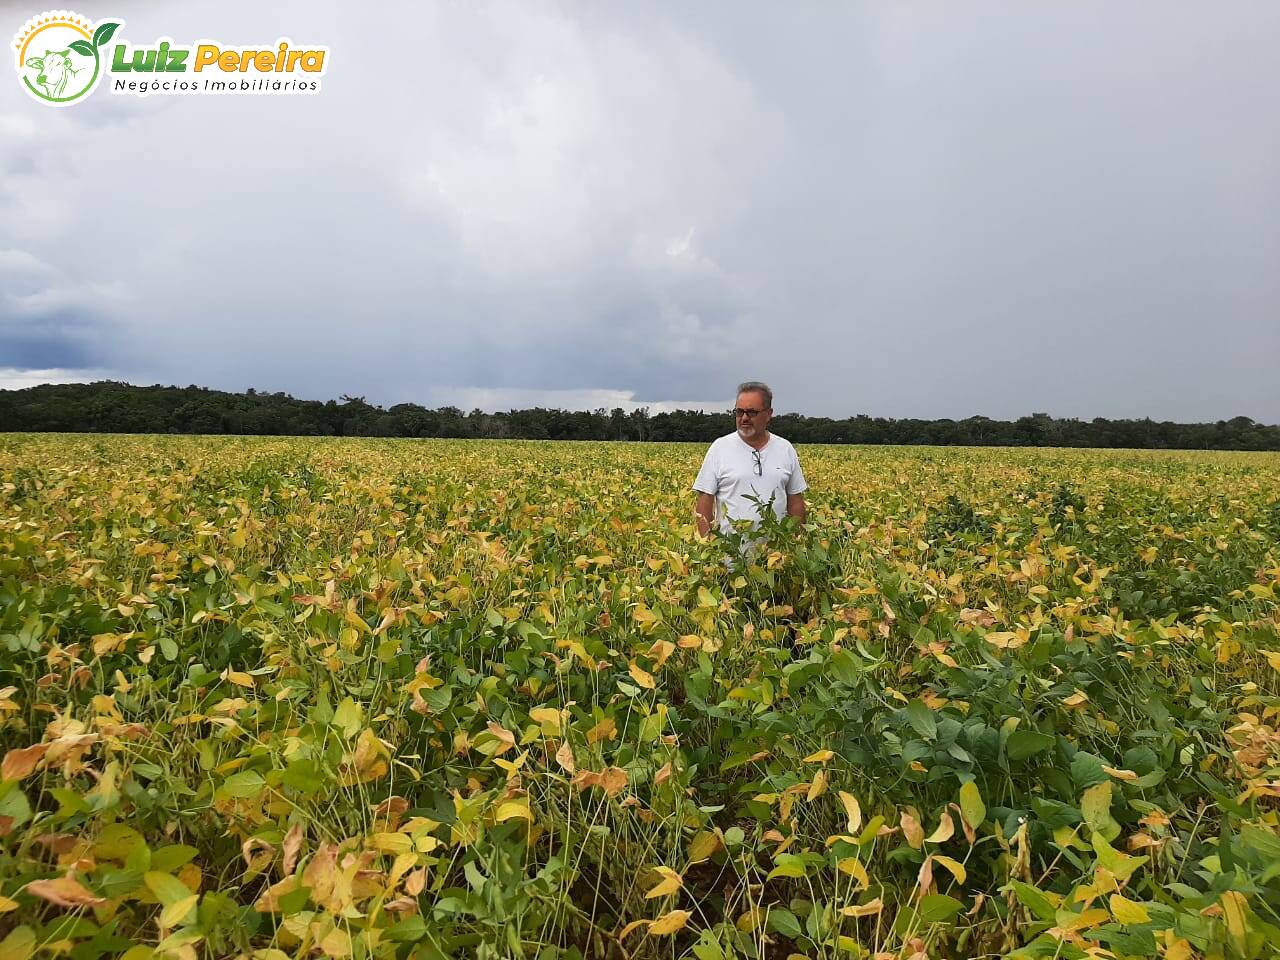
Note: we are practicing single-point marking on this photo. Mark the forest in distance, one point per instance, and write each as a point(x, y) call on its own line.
point(117, 407)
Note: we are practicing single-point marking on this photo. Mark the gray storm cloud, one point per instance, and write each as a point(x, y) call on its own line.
point(901, 209)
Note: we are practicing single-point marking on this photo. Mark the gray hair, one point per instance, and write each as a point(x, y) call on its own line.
point(755, 386)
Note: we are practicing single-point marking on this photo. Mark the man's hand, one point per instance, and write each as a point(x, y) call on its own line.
point(796, 507)
point(706, 512)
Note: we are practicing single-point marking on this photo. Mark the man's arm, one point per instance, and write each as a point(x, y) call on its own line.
point(706, 510)
point(796, 486)
point(796, 506)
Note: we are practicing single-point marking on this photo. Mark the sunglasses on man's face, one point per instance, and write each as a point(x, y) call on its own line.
point(739, 413)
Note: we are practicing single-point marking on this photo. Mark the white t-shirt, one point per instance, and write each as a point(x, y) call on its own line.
point(729, 473)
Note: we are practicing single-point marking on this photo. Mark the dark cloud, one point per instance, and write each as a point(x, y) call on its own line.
point(41, 351)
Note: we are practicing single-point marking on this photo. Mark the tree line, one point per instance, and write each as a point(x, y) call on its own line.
point(115, 407)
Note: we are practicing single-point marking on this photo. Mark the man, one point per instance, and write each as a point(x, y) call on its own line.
point(750, 462)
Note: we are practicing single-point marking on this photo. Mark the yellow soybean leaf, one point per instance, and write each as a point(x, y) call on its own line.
point(1128, 911)
point(1235, 913)
point(564, 757)
point(511, 766)
point(669, 884)
point(1119, 774)
point(853, 809)
point(640, 676)
point(613, 780)
point(336, 943)
point(703, 846)
point(912, 830)
point(1273, 658)
point(392, 842)
point(1003, 639)
point(6, 904)
point(819, 756)
point(630, 927)
point(239, 678)
point(1119, 865)
point(957, 869)
point(854, 868)
point(818, 787)
point(22, 762)
point(1082, 921)
point(506, 740)
point(644, 615)
point(547, 718)
point(863, 909)
point(972, 808)
point(660, 651)
point(19, 944)
point(177, 911)
point(578, 650)
point(669, 923)
point(64, 891)
point(946, 829)
point(1095, 804)
point(168, 889)
point(606, 729)
point(104, 643)
point(512, 809)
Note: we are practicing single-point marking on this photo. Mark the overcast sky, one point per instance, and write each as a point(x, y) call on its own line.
point(902, 209)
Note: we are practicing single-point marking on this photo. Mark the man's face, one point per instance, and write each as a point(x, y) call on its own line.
point(752, 427)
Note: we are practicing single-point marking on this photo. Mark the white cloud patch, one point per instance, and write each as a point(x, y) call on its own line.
point(495, 400)
point(561, 141)
point(81, 300)
point(16, 263)
point(12, 378)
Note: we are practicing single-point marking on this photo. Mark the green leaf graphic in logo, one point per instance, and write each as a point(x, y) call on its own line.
point(104, 33)
point(83, 47)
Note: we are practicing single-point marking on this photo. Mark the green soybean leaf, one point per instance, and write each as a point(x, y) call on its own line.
point(1086, 770)
point(921, 719)
point(939, 908)
point(845, 666)
point(784, 922)
point(245, 784)
point(1027, 743)
point(1033, 899)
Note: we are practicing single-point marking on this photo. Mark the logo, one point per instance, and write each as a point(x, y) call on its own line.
point(62, 56)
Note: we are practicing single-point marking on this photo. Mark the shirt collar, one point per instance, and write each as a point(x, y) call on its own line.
point(737, 436)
